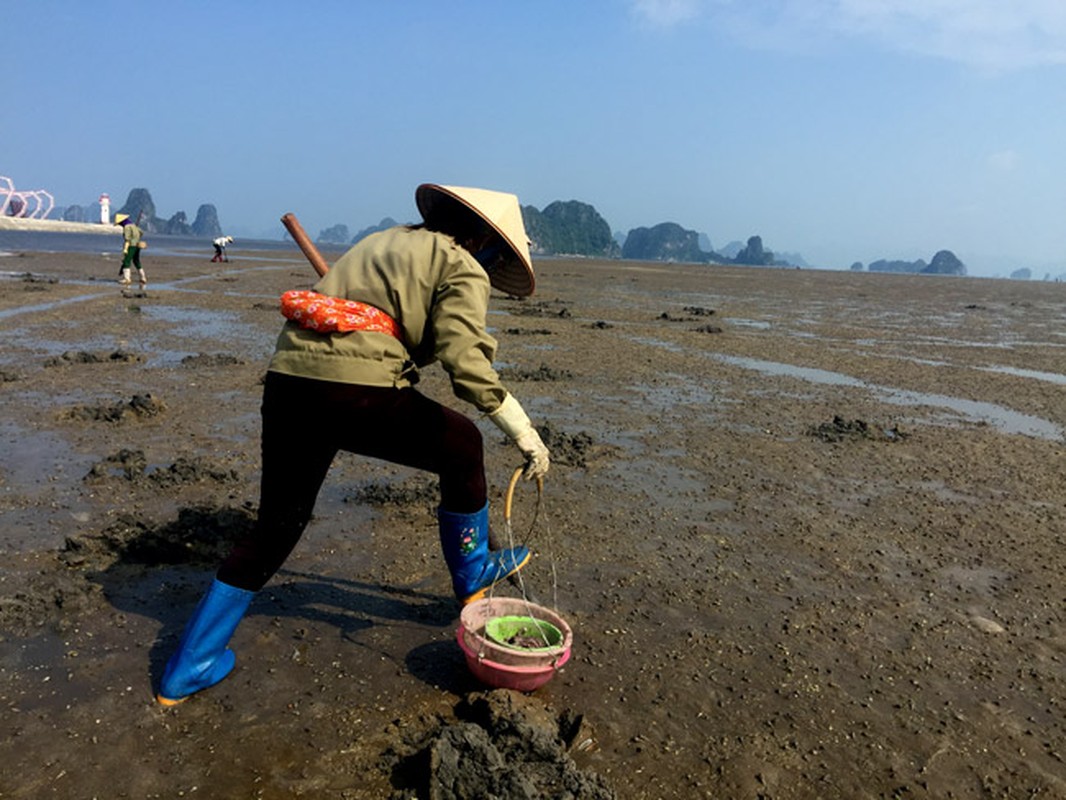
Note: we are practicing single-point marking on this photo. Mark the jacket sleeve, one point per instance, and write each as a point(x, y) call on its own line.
point(462, 344)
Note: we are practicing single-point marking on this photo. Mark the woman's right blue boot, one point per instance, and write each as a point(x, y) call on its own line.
point(464, 538)
point(202, 659)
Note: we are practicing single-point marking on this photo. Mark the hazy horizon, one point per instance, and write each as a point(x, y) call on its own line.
point(841, 130)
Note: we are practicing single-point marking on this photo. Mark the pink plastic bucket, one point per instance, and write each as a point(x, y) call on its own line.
point(509, 676)
point(506, 667)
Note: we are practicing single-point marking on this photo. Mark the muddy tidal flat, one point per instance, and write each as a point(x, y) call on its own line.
point(809, 529)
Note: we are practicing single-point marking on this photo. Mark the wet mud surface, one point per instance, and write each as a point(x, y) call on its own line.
point(808, 528)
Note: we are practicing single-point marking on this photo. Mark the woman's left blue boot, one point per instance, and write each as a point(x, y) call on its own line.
point(202, 659)
point(464, 538)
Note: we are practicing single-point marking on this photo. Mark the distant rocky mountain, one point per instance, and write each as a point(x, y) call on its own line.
point(666, 241)
point(384, 225)
point(141, 209)
point(573, 228)
point(944, 263)
point(569, 228)
point(336, 234)
point(730, 250)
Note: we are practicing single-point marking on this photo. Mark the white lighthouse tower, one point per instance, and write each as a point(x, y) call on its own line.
point(105, 209)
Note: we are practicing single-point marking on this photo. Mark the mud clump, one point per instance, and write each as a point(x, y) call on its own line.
point(199, 536)
point(6, 376)
point(140, 405)
point(573, 450)
point(192, 470)
point(692, 313)
point(528, 332)
point(128, 464)
point(840, 430)
point(409, 493)
point(86, 357)
point(504, 744)
point(37, 282)
point(211, 360)
point(132, 466)
point(542, 309)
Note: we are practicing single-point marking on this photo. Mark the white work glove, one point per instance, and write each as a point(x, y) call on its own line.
point(512, 420)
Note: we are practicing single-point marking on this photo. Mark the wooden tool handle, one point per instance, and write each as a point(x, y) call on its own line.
point(295, 229)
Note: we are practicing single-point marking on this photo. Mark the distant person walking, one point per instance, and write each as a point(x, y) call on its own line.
point(132, 244)
point(220, 248)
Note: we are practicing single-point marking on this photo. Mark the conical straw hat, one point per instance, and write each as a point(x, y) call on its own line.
point(501, 211)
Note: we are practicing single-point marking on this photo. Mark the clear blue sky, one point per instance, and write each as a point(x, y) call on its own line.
point(844, 130)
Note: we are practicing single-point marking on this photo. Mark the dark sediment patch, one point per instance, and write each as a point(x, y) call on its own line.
point(544, 308)
point(573, 450)
point(132, 544)
point(140, 405)
point(132, 466)
point(528, 332)
point(408, 493)
point(86, 357)
point(541, 373)
point(211, 360)
point(841, 429)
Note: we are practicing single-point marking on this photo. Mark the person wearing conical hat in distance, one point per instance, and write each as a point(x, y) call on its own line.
point(132, 244)
point(342, 378)
point(220, 247)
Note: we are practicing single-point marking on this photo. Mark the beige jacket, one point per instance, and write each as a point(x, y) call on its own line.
point(437, 293)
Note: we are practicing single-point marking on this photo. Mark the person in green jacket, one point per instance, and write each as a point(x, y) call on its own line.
point(348, 358)
point(132, 244)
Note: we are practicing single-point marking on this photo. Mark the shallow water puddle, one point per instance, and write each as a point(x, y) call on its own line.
point(28, 457)
point(215, 325)
point(1048, 377)
point(41, 307)
point(1000, 417)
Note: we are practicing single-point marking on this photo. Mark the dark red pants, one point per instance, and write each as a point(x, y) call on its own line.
point(305, 423)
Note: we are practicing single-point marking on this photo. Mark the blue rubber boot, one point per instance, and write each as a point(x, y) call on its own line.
point(464, 538)
point(202, 659)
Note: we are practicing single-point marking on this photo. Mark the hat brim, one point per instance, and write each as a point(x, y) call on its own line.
point(514, 272)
